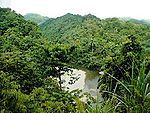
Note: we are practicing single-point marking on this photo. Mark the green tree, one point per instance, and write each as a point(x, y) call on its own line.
point(121, 67)
point(28, 69)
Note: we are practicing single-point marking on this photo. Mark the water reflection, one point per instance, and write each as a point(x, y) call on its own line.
point(90, 86)
point(87, 81)
point(77, 83)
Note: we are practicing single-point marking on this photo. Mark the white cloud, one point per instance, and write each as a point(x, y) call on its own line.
point(100, 8)
point(5, 3)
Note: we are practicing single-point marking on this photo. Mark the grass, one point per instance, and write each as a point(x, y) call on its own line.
point(135, 97)
point(136, 93)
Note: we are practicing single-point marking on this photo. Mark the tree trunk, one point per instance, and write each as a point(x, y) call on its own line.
point(60, 82)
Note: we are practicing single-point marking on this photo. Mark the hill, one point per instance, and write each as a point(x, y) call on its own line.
point(35, 18)
point(31, 66)
point(94, 40)
point(55, 28)
point(28, 69)
point(137, 21)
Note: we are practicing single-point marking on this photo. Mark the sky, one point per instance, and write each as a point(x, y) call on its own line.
point(5, 3)
point(101, 8)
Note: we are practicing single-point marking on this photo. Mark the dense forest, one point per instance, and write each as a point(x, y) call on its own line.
point(94, 41)
point(35, 18)
point(138, 21)
point(33, 58)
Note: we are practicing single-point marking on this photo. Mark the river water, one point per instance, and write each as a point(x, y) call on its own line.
point(85, 80)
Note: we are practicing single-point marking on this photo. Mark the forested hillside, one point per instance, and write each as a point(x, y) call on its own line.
point(35, 18)
point(93, 40)
point(29, 66)
point(137, 21)
point(32, 63)
point(117, 48)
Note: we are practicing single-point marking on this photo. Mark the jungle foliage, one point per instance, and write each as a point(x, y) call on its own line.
point(35, 18)
point(32, 60)
point(94, 42)
point(28, 70)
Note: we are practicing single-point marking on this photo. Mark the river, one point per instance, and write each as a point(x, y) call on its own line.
point(87, 81)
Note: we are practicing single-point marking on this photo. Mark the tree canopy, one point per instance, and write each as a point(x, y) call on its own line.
point(32, 62)
point(28, 69)
point(94, 41)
